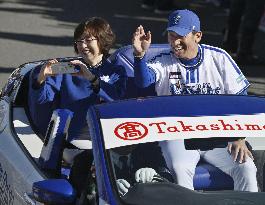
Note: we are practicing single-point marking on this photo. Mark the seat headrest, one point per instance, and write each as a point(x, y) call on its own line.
point(124, 56)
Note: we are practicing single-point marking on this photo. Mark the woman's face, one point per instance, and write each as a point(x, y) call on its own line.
point(88, 48)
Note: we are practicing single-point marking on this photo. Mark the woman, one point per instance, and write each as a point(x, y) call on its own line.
point(97, 80)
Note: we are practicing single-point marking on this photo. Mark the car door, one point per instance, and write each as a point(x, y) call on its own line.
point(18, 169)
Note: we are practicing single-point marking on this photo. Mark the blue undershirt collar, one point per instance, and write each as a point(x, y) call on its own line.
point(194, 62)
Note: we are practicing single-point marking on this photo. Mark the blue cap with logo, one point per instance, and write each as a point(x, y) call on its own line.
point(183, 22)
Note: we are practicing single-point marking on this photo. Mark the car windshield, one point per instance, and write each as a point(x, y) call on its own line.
point(154, 153)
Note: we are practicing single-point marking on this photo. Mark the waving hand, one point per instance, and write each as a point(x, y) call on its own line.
point(141, 41)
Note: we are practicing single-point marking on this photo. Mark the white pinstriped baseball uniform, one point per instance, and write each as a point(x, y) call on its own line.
point(213, 71)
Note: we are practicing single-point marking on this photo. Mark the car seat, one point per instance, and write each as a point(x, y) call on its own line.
point(51, 154)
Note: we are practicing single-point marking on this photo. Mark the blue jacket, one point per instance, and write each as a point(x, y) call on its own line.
point(74, 93)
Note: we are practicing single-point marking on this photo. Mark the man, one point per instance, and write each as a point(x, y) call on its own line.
point(191, 68)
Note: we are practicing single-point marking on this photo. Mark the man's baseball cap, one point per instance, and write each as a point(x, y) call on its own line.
point(183, 22)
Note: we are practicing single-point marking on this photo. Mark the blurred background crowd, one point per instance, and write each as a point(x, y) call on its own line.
point(40, 29)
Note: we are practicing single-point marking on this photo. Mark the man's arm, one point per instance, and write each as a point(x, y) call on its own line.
point(141, 42)
point(143, 76)
point(238, 149)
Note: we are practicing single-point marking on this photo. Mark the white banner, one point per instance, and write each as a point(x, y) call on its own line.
point(127, 131)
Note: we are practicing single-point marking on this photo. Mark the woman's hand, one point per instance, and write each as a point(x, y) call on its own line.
point(141, 41)
point(84, 71)
point(46, 71)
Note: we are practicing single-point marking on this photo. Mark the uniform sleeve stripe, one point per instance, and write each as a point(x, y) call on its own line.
point(243, 89)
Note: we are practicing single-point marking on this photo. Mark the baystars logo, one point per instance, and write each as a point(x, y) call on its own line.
point(131, 131)
point(176, 19)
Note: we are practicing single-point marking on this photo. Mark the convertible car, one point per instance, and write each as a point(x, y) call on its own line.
point(36, 171)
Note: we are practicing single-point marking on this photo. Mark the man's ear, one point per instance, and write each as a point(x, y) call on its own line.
point(198, 36)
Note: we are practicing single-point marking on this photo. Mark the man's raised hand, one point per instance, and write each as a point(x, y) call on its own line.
point(141, 41)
